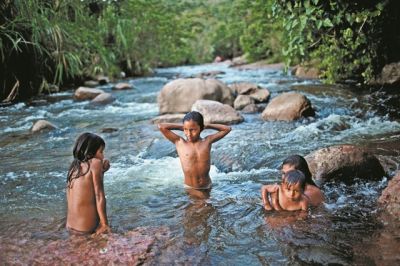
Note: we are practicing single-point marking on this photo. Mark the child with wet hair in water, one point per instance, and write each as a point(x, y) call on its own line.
point(85, 189)
point(289, 195)
point(194, 151)
point(312, 191)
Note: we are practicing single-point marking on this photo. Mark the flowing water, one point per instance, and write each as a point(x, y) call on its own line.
point(144, 186)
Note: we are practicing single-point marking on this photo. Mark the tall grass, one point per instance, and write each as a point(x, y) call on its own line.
point(58, 42)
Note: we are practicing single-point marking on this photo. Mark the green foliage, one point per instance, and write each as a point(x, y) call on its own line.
point(262, 35)
point(341, 37)
point(61, 41)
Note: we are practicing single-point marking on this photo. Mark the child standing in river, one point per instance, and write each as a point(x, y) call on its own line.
point(194, 151)
point(85, 189)
point(288, 196)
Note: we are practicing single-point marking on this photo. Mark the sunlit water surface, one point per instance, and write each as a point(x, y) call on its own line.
point(144, 186)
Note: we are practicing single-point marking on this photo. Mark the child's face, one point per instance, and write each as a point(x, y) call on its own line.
point(191, 130)
point(286, 168)
point(293, 191)
point(100, 153)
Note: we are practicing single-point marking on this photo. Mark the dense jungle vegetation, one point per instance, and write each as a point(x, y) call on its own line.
point(54, 42)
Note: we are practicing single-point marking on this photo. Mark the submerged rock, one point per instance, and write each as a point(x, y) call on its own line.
point(344, 162)
point(41, 125)
point(122, 86)
point(103, 98)
point(83, 93)
point(132, 248)
point(390, 197)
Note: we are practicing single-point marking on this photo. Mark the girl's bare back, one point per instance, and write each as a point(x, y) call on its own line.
point(82, 212)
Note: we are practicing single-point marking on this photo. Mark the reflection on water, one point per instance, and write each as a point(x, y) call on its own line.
point(144, 186)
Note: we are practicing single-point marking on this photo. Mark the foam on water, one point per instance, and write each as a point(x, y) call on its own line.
point(341, 127)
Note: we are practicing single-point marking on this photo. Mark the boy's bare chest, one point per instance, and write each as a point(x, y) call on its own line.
point(190, 151)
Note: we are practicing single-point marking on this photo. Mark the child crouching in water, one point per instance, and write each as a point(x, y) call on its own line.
point(85, 190)
point(288, 196)
point(194, 151)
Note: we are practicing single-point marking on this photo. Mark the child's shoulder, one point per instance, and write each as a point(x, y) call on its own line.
point(94, 162)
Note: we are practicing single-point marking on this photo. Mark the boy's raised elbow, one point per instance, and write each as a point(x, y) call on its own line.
point(161, 126)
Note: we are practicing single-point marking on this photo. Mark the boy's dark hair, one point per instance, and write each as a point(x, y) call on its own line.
point(195, 116)
point(85, 148)
point(293, 177)
point(299, 163)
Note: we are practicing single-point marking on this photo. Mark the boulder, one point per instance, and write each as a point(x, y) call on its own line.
point(240, 60)
point(390, 75)
point(84, 93)
point(216, 112)
point(288, 107)
point(260, 95)
point(251, 108)
point(179, 95)
point(306, 72)
point(244, 88)
point(168, 118)
point(41, 125)
point(242, 101)
point(344, 162)
point(122, 86)
point(390, 197)
point(103, 98)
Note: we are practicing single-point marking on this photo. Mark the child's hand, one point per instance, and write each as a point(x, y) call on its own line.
point(268, 207)
point(106, 165)
point(102, 229)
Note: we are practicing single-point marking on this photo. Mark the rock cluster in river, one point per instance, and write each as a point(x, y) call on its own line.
point(182, 95)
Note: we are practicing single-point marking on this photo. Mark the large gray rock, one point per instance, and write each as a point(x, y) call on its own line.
point(41, 125)
point(216, 112)
point(288, 107)
point(242, 101)
point(84, 93)
point(103, 98)
point(179, 95)
point(344, 162)
point(390, 197)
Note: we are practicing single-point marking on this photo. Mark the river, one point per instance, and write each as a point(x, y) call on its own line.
point(144, 186)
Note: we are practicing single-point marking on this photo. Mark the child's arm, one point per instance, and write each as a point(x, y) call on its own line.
point(275, 200)
point(166, 128)
point(265, 190)
point(96, 167)
point(106, 165)
point(223, 130)
point(304, 204)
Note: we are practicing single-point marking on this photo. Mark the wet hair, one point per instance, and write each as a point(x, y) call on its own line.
point(85, 148)
point(299, 163)
point(195, 116)
point(294, 177)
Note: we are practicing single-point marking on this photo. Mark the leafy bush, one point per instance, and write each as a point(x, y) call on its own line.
point(341, 37)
